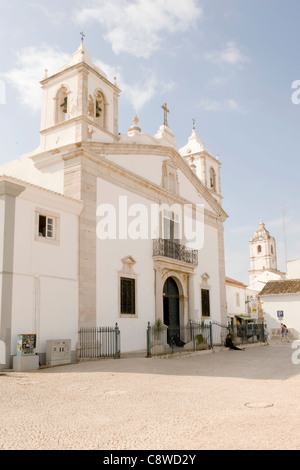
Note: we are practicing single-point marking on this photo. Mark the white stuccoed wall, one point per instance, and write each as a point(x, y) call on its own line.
point(45, 283)
point(109, 256)
point(231, 296)
point(289, 303)
point(293, 269)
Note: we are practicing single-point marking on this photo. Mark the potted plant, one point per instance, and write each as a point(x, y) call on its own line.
point(201, 342)
point(159, 337)
point(158, 326)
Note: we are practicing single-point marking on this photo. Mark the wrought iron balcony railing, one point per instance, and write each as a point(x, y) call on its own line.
point(165, 247)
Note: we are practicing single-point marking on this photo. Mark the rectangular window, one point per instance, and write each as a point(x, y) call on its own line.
point(46, 226)
point(205, 302)
point(237, 299)
point(127, 296)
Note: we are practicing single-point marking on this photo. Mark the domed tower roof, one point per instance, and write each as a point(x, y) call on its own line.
point(82, 55)
point(193, 146)
point(261, 233)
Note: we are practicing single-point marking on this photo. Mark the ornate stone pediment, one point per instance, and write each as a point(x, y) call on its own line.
point(205, 278)
point(128, 264)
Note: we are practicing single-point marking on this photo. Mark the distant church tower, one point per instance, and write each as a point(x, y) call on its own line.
point(262, 252)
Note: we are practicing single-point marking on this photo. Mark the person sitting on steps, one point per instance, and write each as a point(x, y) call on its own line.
point(229, 344)
point(178, 341)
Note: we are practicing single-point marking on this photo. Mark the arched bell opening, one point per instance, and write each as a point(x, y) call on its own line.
point(61, 113)
point(100, 109)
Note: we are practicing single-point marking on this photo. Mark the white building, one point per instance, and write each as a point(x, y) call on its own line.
point(293, 269)
point(236, 297)
point(96, 225)
point(281, 301)
point(241, 301)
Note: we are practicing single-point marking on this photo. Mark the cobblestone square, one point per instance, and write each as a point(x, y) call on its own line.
point(223, 400)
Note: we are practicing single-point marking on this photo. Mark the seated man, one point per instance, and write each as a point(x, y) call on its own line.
point(178, 341)
point(229, 344)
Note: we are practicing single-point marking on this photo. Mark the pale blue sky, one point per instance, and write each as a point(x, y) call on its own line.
point(228, 64)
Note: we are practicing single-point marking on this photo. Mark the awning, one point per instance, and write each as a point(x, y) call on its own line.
point(243, 317)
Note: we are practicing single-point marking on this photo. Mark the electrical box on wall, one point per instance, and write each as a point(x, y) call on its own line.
point(58, 352)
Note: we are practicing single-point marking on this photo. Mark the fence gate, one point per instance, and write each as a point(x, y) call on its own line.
point(99, 342)
point(219, 333)
point(248, 333)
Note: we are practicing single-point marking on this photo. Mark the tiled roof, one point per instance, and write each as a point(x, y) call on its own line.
point(285, 286)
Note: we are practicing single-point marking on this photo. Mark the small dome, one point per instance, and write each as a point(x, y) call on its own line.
point(82, 55)
point(194, 145)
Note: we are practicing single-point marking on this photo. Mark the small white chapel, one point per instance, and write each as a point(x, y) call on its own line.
point(95, 226)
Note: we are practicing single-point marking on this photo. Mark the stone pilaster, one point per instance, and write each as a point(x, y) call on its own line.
point(82, 104)
point(159, 306)
point(80, 182)
point(191, 292)
point(222, 282)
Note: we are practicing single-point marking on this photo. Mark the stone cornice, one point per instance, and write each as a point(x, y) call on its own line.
point(9, 187)
point(163, 262)
point(201, 154)
point(15, 187)
point(76, 119)
point(74, 68)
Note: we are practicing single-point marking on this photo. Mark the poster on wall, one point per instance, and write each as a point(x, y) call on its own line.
point(26, 345)
point(254, 309)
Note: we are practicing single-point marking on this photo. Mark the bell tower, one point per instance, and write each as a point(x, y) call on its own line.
point(79, 104)
point(206, 167)
point(262, 252)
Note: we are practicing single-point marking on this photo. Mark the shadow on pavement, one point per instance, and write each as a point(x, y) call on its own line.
point(272, 362)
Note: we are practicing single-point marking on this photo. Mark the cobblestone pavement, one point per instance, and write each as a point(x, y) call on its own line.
point(222, 400)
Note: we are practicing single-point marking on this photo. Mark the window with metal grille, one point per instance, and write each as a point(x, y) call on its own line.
point(205, 302)
point(127, 295)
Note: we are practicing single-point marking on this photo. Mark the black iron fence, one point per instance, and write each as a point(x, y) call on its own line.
point(99, 342)
point(248, 333)
point(198, 336)
point(193, 337)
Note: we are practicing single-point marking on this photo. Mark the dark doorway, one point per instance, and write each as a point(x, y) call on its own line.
point(171, 308)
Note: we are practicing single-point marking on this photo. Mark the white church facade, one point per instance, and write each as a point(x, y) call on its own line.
point(98, 227)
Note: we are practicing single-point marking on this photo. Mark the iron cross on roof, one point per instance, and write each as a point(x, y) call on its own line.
point(166, 111)
point(82, 36)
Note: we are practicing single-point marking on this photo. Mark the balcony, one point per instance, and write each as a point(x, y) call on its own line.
point(170, 249)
